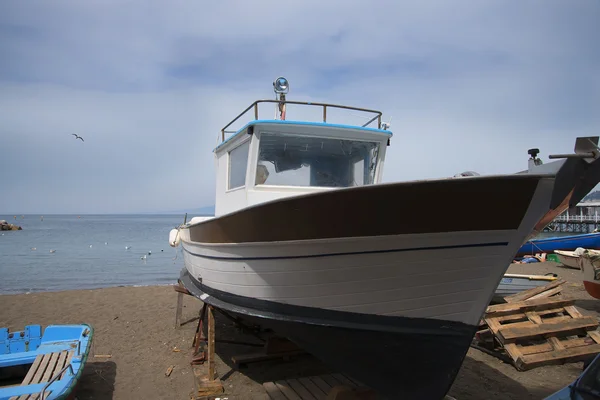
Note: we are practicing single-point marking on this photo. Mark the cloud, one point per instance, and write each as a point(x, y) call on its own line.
point(150, 84)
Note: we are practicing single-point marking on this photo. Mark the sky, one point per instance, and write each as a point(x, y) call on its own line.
point(149, 84)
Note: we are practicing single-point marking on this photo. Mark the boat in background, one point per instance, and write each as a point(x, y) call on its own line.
point(308, 242)
point(44, 366)
point(571, 242)
point(517, 283)
point(569, 258)
point(589, 263)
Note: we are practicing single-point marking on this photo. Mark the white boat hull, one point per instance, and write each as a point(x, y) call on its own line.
point(568, 258)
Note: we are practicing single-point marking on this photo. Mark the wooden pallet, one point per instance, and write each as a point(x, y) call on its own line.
point(543, 331)
point(322, 387)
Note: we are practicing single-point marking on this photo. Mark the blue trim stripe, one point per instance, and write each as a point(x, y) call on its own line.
point(459, 246)
point(305, 123)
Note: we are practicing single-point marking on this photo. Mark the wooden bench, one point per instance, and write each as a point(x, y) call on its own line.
point(44, 368)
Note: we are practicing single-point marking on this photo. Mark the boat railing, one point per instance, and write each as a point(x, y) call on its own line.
point(325, 106)
point(54, 378)
point(577, 218)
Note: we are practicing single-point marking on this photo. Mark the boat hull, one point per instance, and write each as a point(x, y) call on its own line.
point(568, 258)
point(549, 245)
point(589, 263)
point(515, 283)
point(367, 347)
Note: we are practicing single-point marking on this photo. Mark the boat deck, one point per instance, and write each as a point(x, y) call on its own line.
point(43, 370)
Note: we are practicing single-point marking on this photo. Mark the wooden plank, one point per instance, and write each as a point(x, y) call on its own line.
point(573, 312)
point(178, 310)
point(508, 334)
point(559, 356)
point(526, 305)
point(42, 368)
point(533, 317)
point(324, 386)
point(211, 343)
point(556, 343)
point(546, 347)
point(312, 388)
point(273, 391)
point(527, 294)
point(513, 351)
point(519, 315)
point(331, 381)
point(68, 361)
point(595, 335)
point(546, 294)
point(62, 359)
point(33, 369)
point(49, 373)
point(528, 323)
point(287, 390)
point(300, 389)
point(343, 380)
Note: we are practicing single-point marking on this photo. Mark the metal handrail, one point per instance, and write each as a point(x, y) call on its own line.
point(304, 103)
point(54, 378)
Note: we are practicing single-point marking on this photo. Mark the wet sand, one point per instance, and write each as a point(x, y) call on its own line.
point(135, 326)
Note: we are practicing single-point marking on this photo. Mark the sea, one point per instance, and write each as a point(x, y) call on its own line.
point(64, 252)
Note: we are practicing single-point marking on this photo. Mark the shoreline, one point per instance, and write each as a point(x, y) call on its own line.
point(89, 289)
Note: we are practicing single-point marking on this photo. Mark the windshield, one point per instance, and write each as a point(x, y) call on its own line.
point(294, 160)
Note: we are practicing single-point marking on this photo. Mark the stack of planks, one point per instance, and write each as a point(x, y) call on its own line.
point(534, 329)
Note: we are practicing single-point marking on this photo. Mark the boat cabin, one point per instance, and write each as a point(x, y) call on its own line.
point(270, 159)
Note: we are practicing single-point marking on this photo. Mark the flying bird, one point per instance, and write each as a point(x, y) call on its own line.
point(77, 136)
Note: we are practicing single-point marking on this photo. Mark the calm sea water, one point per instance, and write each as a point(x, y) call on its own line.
point(89, 252)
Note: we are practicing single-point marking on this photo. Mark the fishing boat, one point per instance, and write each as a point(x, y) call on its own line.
point(571, 242)
point(589, 263)
point(569, 258)
point(517, 283)
point(43, 366)
point(308, 242)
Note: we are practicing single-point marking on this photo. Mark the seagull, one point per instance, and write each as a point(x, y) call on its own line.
point(52, 251)
point(127, 247)
point(77, 136)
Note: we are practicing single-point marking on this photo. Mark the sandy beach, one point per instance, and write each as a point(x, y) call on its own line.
point(135, 326)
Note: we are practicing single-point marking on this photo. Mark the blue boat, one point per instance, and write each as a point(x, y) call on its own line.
point(548, 245)
point(46, 367)
point(586, 386)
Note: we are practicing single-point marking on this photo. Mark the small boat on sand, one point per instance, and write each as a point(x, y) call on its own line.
point(516, 283)
point(571, 242)
point(309, 242)
point(46, 367)
point(569, 258)
point(589, 262)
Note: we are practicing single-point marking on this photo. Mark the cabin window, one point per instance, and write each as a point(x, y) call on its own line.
point(295, 160)
point(238, 163)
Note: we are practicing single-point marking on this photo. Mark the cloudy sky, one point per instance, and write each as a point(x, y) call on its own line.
point(148, 84)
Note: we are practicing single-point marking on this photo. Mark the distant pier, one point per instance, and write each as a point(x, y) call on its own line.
point(583, 218)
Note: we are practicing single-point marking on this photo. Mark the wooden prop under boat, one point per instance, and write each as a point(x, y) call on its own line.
point(44, 366)
point(308, 242)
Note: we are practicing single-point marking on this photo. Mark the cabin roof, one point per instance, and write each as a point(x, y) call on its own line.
point(305, 123)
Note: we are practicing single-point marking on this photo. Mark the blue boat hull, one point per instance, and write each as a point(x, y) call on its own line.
point(54, 361)
point(548, 245)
